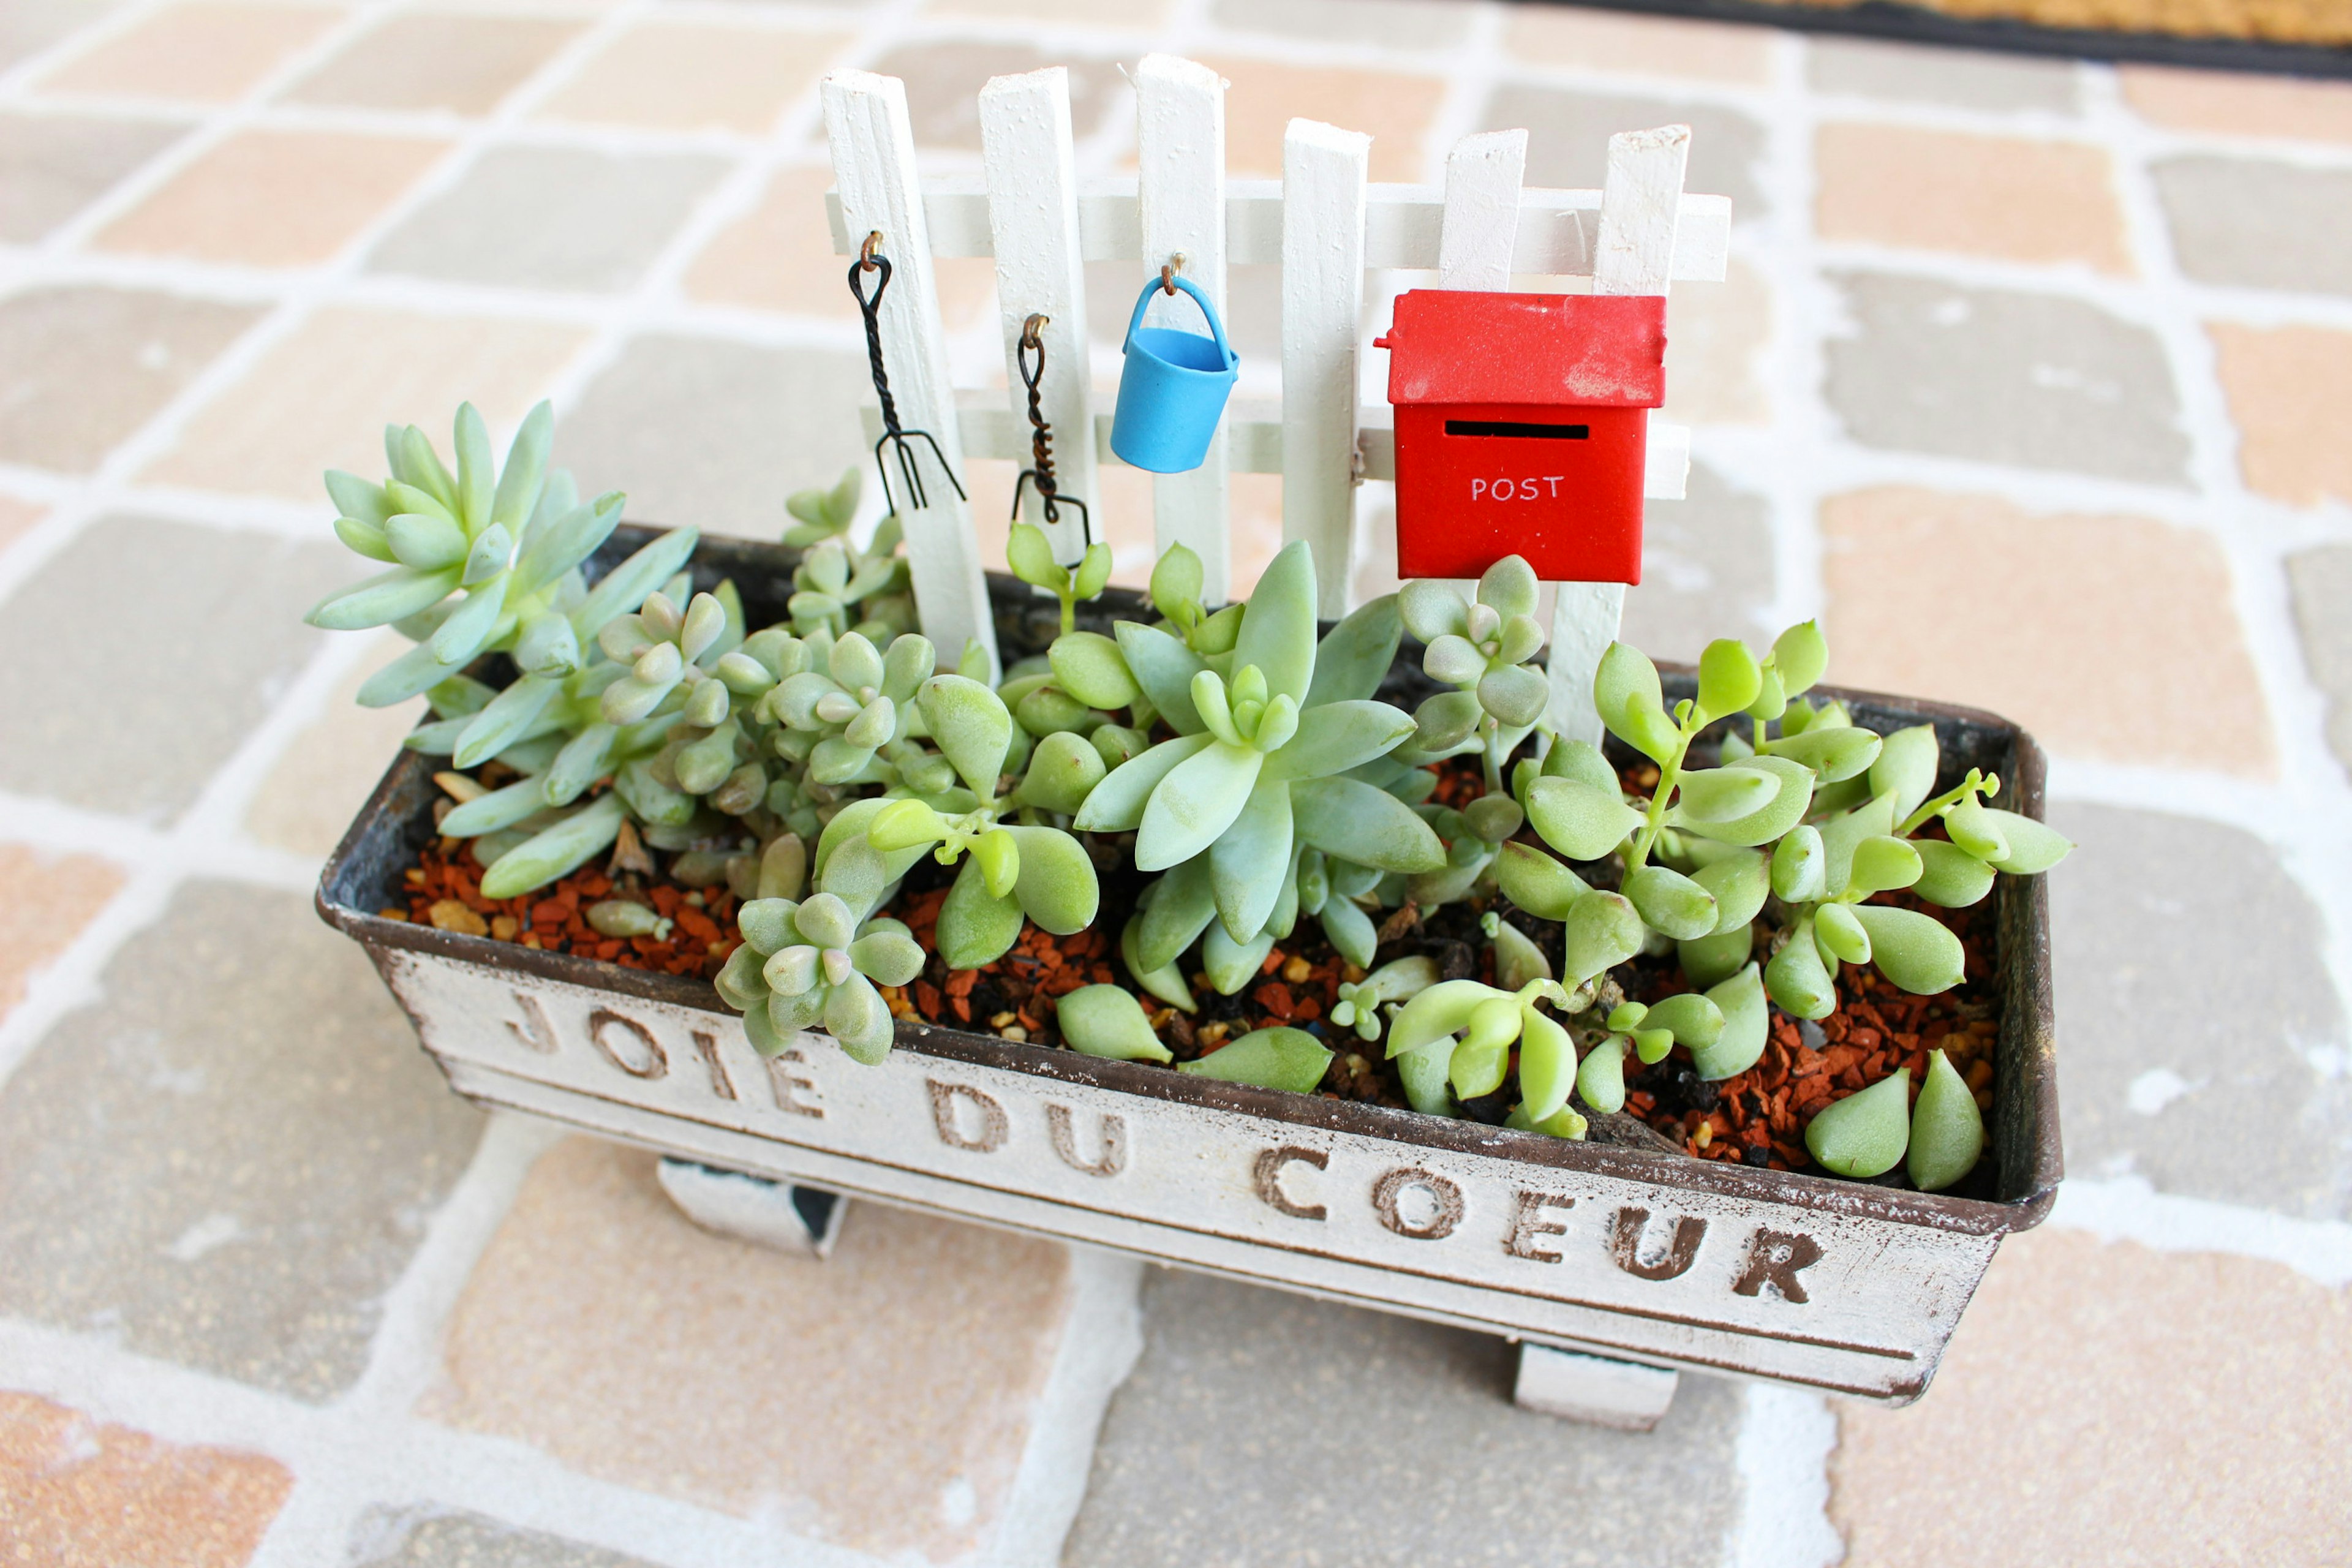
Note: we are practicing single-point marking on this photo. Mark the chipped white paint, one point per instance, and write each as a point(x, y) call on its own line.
point(873, 148)
point(1640, 204)
point(1033, 213)
point(1573, 1257)
point(1323, 173)
point(1179, 141)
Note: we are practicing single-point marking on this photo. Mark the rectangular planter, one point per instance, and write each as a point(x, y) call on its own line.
point(1655, 1258)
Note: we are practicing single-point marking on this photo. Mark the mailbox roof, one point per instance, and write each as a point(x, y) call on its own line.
point(1588, 351)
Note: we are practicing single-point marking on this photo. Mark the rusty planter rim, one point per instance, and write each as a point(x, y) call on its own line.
point(2022, 1130)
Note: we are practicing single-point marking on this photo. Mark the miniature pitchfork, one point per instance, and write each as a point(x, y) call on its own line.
point(899, 442)
point(1039, 474)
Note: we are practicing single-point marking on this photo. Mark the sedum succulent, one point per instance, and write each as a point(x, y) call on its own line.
point(1259, 766)
point(837, 586)
point(817, 962)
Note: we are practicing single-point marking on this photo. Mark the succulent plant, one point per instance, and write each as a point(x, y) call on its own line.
point(1399, 981)
point(839, 587)
point(1259, 765)
point(481, 558)
point(817, 962)
point(1012, 870)
point(1030, 556)
point(1483, 650)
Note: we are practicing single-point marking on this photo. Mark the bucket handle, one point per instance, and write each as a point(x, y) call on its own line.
point(1143, 301)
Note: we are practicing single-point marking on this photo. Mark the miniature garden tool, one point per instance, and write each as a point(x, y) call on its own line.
point(1040, 472)
point(901, 442)
point(1173, 389)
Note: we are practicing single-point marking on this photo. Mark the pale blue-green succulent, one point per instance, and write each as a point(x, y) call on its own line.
point(1260, 765)
point(815, 961)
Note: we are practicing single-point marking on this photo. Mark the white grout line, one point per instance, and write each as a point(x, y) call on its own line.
point(1786, 1437)
point(2127, 1208)
point(1101, 1336)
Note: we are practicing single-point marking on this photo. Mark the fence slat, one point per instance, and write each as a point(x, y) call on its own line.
point(1180, 134)
point(1323, 173)
point(1033, 211)
point(1480, 228)
point(873, 148)
point(1632, 254)
point(1401, 227)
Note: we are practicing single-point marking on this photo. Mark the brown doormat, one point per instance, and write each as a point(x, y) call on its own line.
point(2302, 38)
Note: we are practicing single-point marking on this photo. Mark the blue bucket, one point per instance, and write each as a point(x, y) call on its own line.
point(1172, 390)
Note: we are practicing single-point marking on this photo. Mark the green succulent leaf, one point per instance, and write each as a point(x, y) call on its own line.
point(1768, 823)
point(1947, 1134)
point(1915, 951)
point(1728, 678)
point(557, 850)
point(1840, 935)
point(1250, 860)
point(1354, 657)
point(1514, 693)
point(1601, 1077)
point(1740, 1000)
point(1801, 655)
point(1167, 982)
point(1176, 582)
point(1441, 1010)
point(972, 727)
point(1724, 794)
point(1194, 804)
point(1430, 610)
point(1864, 1135)
point(1108, 1021)
point(1183, 904)
point(1164, 668)
point(624, 587)
point(1350, 929)
point(2034, 846)
point(1117, 804)
point(1581, 821)
point(1843, 834)
point(1882, 865)
point(1740, 883)
point(1624, 675)
point(1547, 1064)
point(1090, 667)
point(388, 597)
point(976, 927)
point(1905, 768)
point(1603, 931)
point(1057, 887)
point(1835, 754)
point(1281, 1058)
point(1972, 825)
point(1349, 819)
point(1278, 632)
point(1949, 877)
point(1797, 979)
point(1670, 903)
point(1232, 964)
point(1801, 867)
point(1709, 960)
point(1062, 770)
point(1338, 736)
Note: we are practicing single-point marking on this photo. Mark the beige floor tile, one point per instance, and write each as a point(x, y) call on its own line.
point(274, 198)
point(1715, 335)
point(689, 75)
point(1395, 111)
point(2083, 629)
point(320, 400)
point(2288, 388)
point(45, 902)
point(2010, 197)
point(879, 1400)
point(436, 61)
point(331, 767)
point(80, 1493)
point(196, 53)
point(779, 256)
point(2105, 1403)
point(2241, 105)
point(1652, 45)
point(83, 368)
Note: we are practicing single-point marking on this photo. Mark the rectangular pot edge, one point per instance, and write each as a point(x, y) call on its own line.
point(2025, 1122)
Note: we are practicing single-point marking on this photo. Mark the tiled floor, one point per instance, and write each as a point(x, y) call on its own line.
point(2030, 378)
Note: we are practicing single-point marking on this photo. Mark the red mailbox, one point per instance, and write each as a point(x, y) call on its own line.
point(1522, 427)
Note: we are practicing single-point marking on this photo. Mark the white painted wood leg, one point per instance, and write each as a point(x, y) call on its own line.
point(1592, 1389)
point(802, 1221)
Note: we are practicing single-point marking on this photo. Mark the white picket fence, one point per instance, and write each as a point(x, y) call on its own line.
point(1324, 222)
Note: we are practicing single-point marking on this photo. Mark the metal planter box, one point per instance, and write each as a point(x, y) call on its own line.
point(1646, 1257)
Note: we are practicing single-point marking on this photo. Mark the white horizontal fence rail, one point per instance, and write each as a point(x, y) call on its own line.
point(1324, 223)
point(1401, 223)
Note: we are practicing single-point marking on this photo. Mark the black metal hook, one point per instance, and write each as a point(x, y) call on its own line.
point(1039, 474)
point(899, 441)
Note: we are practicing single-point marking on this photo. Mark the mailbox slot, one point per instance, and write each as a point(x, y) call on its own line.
point(1518, 428)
